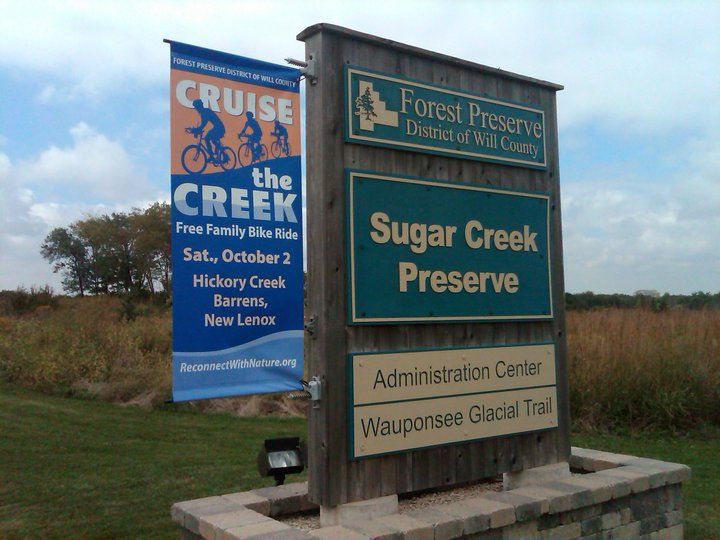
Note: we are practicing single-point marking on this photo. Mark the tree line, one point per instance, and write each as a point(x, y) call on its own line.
point(129, 252)
point(124, 252)
point(589, 300)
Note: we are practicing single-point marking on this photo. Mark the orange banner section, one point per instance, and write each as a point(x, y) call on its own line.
point(231, 101)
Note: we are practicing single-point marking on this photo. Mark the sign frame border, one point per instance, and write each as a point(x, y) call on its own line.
point(351, 397)
point(354, 320)
point(349, 137)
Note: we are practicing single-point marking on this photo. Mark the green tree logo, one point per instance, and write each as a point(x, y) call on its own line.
point(364, 105)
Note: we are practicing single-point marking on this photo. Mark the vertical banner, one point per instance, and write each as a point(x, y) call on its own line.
point(236, 225)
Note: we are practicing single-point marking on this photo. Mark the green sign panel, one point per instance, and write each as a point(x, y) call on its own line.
point(426, 251)
point(391, 111)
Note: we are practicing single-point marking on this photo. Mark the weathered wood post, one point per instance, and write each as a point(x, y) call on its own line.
point(341, 142)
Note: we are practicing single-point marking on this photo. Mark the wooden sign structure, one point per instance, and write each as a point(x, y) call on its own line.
point(435, 273)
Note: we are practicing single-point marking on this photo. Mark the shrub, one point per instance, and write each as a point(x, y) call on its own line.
point(23, 301)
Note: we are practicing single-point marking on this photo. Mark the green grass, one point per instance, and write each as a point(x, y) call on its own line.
point(74, 468)
point(701, 452)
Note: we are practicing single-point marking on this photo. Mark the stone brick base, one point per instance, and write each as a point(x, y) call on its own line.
point(618, 496)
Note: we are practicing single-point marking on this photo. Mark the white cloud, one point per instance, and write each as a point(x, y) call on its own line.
point(94, 167)
point(93, 176)
point(19, 263)
point(628, 232)
point(642, 66)
point(47, 94)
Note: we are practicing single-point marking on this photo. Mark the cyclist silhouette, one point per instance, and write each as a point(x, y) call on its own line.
point(217, 131)
point(255, 133)
point(281, 136)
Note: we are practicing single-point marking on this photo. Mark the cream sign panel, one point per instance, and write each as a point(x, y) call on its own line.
point(410, 400)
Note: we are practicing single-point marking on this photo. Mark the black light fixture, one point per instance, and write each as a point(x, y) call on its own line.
point(279, 457)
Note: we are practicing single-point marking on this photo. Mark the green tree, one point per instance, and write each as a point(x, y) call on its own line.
point(68, 255)
point(116, 253)
point(106, 242)
point(151, 228)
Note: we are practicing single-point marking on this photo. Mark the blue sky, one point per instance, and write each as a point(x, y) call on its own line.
point(85, 100)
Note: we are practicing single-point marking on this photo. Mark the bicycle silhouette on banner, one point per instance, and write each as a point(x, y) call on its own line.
point(209, 149)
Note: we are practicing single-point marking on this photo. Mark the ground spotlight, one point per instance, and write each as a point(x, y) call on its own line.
point(279, 457)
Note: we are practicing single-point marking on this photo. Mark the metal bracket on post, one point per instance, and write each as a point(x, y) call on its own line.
point(314, 388)
point(310, 327)
point(307, 69)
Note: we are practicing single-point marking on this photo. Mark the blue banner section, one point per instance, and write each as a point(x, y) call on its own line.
point(271, 361)
point(426, 251)
point(233, 67)
point(236, 212)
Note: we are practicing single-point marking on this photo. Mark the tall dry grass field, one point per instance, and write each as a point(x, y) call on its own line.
point(635, 368)
point(87, 346)
point(628, 367)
